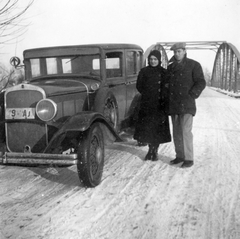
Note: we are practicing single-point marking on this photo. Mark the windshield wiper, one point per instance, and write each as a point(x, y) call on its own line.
point(72, 59)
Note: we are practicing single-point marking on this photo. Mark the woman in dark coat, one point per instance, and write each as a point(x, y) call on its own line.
point(152, 126)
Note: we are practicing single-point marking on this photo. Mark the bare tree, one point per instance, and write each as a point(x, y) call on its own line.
point(3, 75)
point(12, 21)
point(12, 25)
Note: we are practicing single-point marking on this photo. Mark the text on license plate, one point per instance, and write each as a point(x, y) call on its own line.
point(20, 113)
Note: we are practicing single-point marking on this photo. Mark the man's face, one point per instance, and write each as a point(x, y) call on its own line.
point(179, 54)
point(153, 61)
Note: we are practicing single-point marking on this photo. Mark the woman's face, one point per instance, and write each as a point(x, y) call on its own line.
point(153, 61)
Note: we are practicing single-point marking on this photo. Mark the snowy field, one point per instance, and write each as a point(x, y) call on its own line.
point(136, 199)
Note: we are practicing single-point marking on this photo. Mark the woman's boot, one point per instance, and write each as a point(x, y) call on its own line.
point(149, 154)
point(155, 153)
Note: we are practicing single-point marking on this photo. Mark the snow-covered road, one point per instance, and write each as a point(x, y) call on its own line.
point(136, 199)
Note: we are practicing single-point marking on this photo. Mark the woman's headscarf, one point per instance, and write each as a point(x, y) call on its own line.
point(157, 54)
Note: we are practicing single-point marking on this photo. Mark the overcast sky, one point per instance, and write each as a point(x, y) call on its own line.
point(142, 22)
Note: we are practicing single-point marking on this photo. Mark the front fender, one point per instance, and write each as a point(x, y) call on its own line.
point(80, 123)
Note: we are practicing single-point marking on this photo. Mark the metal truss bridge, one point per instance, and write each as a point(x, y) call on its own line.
point(226, 67)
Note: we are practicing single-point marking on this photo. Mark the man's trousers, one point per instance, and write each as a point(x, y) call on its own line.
point(182, 136)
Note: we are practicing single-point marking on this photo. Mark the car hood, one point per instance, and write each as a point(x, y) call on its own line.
point(64, 86)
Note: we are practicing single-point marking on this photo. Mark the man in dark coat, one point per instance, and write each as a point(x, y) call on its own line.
point(186, 82)
point(153, 124)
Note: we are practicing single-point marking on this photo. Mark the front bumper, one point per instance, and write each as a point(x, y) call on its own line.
point(38, 159)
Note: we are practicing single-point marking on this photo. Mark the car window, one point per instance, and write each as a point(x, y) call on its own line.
point(138, 61)
point(133, 62)
point(51, 66)
point(114, 64)
point(66, 65)
point(96, 64)
point(35, 67)
point(83, 64)
point(131, 69)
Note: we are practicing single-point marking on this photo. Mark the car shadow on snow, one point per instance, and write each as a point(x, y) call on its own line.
point(64, 175)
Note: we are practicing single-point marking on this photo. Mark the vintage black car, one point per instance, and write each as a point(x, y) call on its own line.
point(74, 99)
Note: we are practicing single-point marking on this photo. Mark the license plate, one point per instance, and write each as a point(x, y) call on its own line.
point(20, 113)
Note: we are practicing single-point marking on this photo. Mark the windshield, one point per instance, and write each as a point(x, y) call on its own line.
point(81, 64)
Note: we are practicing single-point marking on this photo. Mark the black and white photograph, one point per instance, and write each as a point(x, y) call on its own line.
point(119, 119)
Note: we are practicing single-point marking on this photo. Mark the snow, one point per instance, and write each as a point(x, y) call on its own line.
point(136, 199)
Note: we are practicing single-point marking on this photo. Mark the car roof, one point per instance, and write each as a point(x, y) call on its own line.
point(77, 49)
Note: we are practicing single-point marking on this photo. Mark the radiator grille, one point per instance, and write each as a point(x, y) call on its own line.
point(23, 98)
point(23, 132)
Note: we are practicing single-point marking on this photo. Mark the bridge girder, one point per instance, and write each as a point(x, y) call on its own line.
point(225, 74)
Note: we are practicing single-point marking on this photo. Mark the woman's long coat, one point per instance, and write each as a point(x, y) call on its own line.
point(152, 126)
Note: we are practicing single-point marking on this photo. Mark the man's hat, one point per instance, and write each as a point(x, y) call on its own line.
point(178, 45)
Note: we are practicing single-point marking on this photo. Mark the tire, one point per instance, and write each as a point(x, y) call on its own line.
point(91, 156)
point(106, 104)
point(110, 112)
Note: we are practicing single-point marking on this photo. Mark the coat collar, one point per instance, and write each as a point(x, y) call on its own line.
point(173, 59)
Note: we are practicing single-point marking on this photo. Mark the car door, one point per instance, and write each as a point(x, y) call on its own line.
point(133, 66)
point(115, 78)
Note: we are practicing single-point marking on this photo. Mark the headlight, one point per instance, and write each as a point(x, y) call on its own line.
point(46, 109)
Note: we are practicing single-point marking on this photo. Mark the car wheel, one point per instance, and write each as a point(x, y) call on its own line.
point(106, 104)
point(110, 112)
point(91, 156)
